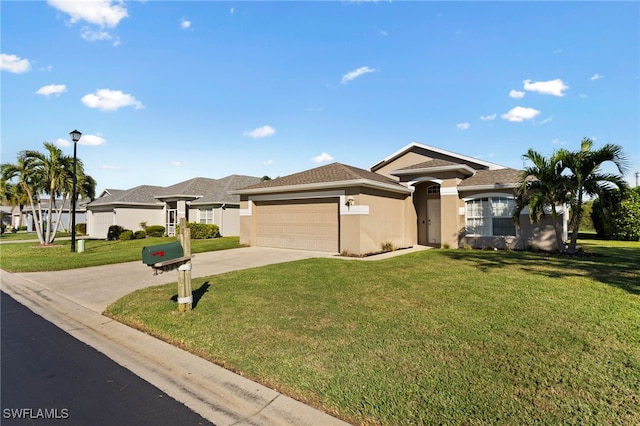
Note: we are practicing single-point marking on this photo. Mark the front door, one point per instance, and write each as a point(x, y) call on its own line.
point(433, 221)
point(172, 219)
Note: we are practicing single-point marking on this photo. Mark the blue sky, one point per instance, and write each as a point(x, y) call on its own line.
point(167, 91)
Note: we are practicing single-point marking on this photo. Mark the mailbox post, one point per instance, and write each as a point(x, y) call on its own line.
point(185, 296)
point(169, 256)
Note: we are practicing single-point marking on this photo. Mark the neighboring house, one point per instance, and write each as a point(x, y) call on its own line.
point(200, 200)
point(24, 217)
point(418, 195)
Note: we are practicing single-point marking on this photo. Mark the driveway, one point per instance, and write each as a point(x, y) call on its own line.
point(97, 287)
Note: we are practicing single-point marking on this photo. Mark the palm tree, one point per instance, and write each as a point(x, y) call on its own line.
point(28, 181)
point(543, 187)
point(52, 169)
point(588, 179)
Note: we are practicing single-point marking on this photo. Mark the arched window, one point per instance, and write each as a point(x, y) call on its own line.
point(490, 216)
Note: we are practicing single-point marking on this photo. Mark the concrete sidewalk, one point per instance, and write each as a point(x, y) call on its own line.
point(75, 299)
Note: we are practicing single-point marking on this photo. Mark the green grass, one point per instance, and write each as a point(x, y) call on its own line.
point(18, 236)
point(435, 337)
point(31, 257)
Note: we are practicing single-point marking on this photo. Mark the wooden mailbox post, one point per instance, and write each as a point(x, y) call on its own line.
point(185, 296)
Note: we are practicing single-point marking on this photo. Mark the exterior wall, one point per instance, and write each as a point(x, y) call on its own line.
point(451, 222)
point(228, 219)
point(408, 159)
point(246, 221)
point(130, 218)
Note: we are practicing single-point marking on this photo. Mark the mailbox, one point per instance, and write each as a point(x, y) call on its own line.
point(162, 253)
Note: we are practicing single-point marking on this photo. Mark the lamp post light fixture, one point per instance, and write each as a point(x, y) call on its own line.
point(75, 137)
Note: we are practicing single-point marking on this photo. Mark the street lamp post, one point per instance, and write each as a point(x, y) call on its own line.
point(75, 137)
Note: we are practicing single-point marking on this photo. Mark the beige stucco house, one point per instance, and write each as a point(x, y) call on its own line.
point(201, 200)
point(417, 195)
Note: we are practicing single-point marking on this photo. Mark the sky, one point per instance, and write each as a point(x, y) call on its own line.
point(165, 91)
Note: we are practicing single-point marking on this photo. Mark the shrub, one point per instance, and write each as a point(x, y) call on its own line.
point(139, 235)
point(114, 232)
point(618, 218)
point(126, 235)
point(387, 246)
point(22, 228)
point(202, 231)
point(81, 228)
point(155, 230)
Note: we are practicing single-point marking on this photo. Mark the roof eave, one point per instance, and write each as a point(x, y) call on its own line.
point(453, 167)
point(485, 187)
point(324, 185)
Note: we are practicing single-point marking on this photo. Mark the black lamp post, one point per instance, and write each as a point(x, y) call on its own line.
point(75, 137)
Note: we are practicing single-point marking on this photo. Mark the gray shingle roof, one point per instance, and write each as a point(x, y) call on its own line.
point(431, 163)
point(497, 178)
point(335, 172)
point(208, 190)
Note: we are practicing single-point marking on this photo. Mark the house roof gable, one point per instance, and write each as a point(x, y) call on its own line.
point(436, 154)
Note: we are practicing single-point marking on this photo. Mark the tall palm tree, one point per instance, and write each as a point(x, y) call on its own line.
point(588, 179)
point(52, 169)
point(543, 187)
point(28, 180)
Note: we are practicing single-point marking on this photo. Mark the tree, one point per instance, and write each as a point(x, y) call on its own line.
point(543, 188)
point(615, 217)
point(49, 173)
point(586, 178)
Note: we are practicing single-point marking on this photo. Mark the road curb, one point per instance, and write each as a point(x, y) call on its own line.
point(218, 395)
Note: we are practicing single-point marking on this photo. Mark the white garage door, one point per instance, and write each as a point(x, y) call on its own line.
point(101, 223)
point(304, 224)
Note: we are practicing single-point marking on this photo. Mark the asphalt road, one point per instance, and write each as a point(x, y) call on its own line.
point(51, 378)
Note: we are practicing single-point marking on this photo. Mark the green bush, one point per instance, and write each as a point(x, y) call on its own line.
point(618, 218)
point(202, 231)
point(81, 228)
point(126, 235)
point(155, 230)
point(22, 228)
point(114, 232)
point(139, 235)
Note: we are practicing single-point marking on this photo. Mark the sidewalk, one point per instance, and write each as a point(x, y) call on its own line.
point(75, 299)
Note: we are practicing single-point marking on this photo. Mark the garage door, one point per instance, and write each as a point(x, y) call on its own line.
point(304, 224)
point(101, 223)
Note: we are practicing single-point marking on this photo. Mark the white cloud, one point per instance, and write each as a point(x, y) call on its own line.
point(260, 132)
point(176, 163)
point(558, 142)
point(488, 117)
point(516, 94)
point(92, 140)
point(545, 121)
point(596, 76)
point(356, 73)
point(14, 64)
point(232, 10)
point(462, 126)
point(184, 24)
point(110, 100)
point(52, 89)
point(552, 87)
point(86, 140)
point(105, 13)
point(47, 68)
point(519, 114)
point(384, 33)
point(322, 158)
point(111, 168)
point(267, 163)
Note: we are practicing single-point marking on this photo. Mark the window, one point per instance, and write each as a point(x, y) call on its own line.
point(490, 216)
point(206, 215)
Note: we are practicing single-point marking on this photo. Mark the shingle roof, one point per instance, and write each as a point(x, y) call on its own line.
point(143, 194)
point(335, 172)
point(431, 163)
point(497, 178)
point(208, 190)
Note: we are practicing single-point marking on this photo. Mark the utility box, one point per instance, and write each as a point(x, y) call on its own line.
point(162, 253)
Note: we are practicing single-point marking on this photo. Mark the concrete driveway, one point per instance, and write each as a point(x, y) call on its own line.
point(97, 287)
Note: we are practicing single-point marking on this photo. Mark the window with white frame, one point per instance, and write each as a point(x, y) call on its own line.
point(206, 215)
point(490, 216)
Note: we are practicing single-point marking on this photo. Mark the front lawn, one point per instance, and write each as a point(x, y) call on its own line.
point(31, 256)
point(432, 337)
